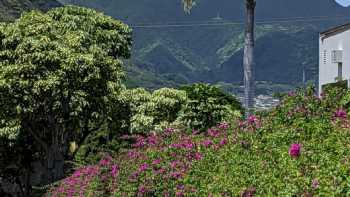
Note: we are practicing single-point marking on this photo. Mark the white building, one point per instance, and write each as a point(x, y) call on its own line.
point(334, 60)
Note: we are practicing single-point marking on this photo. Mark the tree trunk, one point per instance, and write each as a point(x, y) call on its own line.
point(54, 165)
point(50, 167)
point(248, 58)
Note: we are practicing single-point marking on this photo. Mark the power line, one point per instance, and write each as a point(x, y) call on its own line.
point(216, 21)
point(229, 23)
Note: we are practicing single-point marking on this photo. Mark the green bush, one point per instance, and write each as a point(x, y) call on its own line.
point(152, 111)
point(207, 106)
point(341, 84)
point(345, 102)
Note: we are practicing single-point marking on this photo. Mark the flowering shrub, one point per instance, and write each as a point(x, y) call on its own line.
point(157, 165)
point(231, 160)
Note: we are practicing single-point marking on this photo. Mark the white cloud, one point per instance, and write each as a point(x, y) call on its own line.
point(344, 3)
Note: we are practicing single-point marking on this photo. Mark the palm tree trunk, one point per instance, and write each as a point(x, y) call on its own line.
point(248, 57)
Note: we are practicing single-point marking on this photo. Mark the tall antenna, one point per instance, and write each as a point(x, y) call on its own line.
point(218, 17)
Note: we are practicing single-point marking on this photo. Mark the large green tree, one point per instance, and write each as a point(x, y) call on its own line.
point(248, 57)
point(58, 71)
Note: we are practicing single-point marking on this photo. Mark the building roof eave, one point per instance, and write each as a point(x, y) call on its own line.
point(334, 31)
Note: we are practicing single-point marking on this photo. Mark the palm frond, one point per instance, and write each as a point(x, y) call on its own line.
point(188, 5)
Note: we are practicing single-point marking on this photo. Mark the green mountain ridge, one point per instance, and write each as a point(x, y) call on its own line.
point(12, 9)
point(284, 50)
point(170, 56)
point(282, 53)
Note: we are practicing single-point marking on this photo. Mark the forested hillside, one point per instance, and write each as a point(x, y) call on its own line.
point(287, 39)
point(11, 9)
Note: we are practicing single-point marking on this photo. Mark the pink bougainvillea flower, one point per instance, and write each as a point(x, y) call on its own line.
point(160, 171)
point(169, 131)
point(223, 142)
point(143, 167)
point(294, 150)
point(315, 184)
point(198, 156)
point(115, 170)
point(140, 142)
point(135, 155)
point(106, 161)
point(179, 194)
point(176, 175)
point(195, 132)
point(156, 161)
point(133, 176)
point(248, 192)
point(252, 119)
point(207, 143)
point(213, 133)
point(77, 173)
point(152, 140)
point(341, 113)
point(224, 126)
point(291, 94)
point(174, 164)
point(142, 189)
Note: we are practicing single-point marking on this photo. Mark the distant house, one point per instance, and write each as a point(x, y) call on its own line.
point(334, 60)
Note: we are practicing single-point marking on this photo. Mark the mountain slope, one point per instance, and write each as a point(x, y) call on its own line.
point(171, 10)
point(11, 9)
point(214, 53)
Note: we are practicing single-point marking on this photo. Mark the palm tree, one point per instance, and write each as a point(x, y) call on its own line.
point(248, 57)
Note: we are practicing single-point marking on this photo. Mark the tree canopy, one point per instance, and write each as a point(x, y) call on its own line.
point(57, 72)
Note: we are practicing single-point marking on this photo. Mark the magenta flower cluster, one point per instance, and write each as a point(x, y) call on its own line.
point(294, 150)
point(165, 157)
point(340, 118)
point(251, 124)
point(341, 113)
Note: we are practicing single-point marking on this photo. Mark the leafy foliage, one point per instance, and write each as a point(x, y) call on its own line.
point(58, 72)
point(208, 106)
point(346, 101)
point(134, 111)
point(152, 111)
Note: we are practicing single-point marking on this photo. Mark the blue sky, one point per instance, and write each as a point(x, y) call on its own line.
point(343, 2)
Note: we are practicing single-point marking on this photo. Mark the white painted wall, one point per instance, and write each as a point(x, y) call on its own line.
point(328, 71)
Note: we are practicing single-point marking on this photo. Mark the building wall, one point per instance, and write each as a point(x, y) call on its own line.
point(328, 71)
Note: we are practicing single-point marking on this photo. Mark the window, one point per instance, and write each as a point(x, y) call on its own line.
point(324, 57)
point(337, 56)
